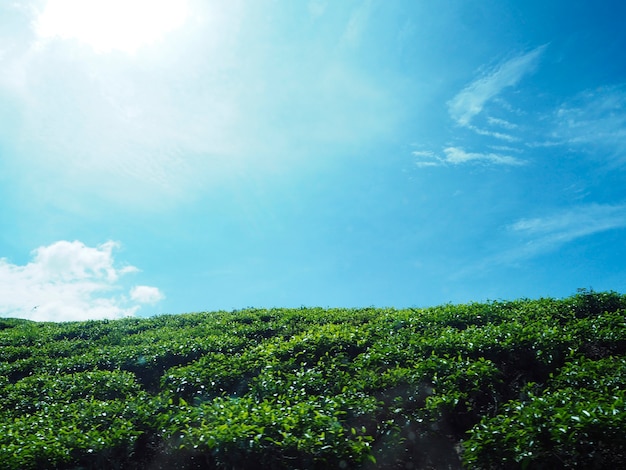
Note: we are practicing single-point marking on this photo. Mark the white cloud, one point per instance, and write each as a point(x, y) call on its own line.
point(458, 156)
point(471, 100)
point(68, 281)
point(146, 294)
point(65, 260)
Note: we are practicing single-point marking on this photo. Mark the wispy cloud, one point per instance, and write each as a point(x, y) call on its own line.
point(594, 120)
point(426, 158)
point(471, 100)
point(68, 281)
point(491, 131)
point(458, 156)
point(501, 123)
point(542, 234)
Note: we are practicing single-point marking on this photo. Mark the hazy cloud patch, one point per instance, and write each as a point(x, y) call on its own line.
point(185, 114)
point(595, 119)
point(135, 22)
point(357, 24)
point(317, 8)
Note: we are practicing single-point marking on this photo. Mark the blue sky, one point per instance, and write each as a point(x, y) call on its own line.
point(170, 156)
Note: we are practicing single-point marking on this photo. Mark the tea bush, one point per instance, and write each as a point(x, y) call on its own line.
point(503, 384)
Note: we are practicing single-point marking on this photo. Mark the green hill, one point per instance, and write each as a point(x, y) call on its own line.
point(519, 384)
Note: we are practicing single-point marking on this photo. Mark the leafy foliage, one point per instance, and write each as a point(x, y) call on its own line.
point(519, 384)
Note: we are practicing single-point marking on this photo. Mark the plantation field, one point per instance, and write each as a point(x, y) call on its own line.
point(504, 384)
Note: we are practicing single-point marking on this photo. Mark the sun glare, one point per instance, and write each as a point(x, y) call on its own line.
point(108, 25)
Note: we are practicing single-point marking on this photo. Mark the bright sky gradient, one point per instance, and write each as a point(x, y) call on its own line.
point(171, 156)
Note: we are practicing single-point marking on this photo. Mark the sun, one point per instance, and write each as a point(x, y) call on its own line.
point(108, 25)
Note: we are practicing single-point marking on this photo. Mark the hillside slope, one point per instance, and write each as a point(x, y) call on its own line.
point(519, 384)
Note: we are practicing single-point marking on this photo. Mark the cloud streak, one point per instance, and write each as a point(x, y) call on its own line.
point(458, 156)
point(532, 237)
point(495, 134)
point(543, 234)
point(471, 100)
point(68, 281)
point(502, 123)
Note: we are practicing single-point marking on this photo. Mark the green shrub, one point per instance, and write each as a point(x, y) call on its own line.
point(558, 429)
point(242, 432)
point(38, 392)
point(97, 433)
